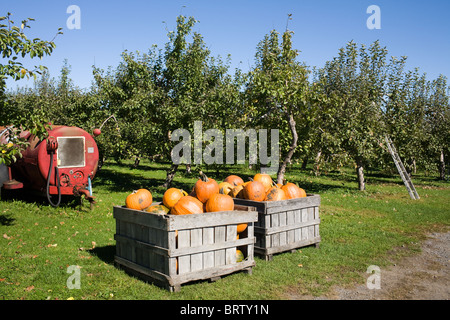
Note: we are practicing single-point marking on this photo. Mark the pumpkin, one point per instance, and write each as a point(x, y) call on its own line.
point(241, 227)
point(225, 187)
point(171, 196)
point(205, 187)
point(187, 205)
point(237, 192)
point(158, 209)
point(302, 193)
point(292, 191)
point(254, 190)
point(234, 180)
point(239, 255)
point(219, 202)
point(139, 199)
point(275, 194)
point(265, 179)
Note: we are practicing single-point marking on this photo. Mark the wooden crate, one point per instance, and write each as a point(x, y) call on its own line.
point(170, 250)
point(285, 225)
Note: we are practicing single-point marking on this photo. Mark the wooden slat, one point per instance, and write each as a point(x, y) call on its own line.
point(196, 241)
point(289, 227)
point(230, 253)
point(184, 241)
point(208, 240)
point(210, 219)
point(219, 237)
point(295, 245)
point(141, 218)
point(185, 250)
point(290, 220)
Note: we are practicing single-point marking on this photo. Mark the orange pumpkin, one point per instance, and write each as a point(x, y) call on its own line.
point(234, 180)
point(302, 193)
point(219, 202)
point(205, 187)
point(139, 199)
point(187, 205)
point(254, 190)
point(275, 194)
point(241, 227)
point(292, 191)
point(171, 196)
point(265, 179)
point(225, 187)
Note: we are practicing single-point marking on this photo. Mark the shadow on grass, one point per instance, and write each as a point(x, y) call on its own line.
point(7, 220)
point(40, 200)
point(116, 181)
point(106, 253)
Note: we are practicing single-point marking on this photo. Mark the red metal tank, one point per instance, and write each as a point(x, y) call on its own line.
point(70, 155)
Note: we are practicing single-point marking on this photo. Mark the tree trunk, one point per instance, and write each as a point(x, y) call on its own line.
point(287, 159)
point(305, 162)
point(170, 175)
point(442, 166)
point(316, 163)
point(137, 160)
point(360, 175)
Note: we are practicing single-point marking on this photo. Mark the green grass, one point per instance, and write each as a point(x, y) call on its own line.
point(358, 229)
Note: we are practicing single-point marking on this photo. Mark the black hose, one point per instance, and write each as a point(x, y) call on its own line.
point(57, 182)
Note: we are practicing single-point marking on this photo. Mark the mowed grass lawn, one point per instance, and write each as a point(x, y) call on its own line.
point(358, 229)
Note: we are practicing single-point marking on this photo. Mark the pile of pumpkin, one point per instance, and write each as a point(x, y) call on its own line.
point(208, 195)
point(260, 188)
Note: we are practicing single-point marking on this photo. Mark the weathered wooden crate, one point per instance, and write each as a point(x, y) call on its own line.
point(285, 225)
point(170, 250)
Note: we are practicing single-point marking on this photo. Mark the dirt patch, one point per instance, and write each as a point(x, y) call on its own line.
point(422, 276)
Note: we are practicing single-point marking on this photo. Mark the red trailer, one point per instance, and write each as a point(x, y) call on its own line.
point(63, 164)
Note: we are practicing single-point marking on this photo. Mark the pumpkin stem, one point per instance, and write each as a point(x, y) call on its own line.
point(203, 176)
point(251, 179)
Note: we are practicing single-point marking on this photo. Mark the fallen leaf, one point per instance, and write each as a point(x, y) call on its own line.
point(6, 236)
point(29, 288)
point(300, 265)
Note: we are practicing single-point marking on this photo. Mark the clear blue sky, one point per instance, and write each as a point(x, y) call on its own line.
point(417, 29)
